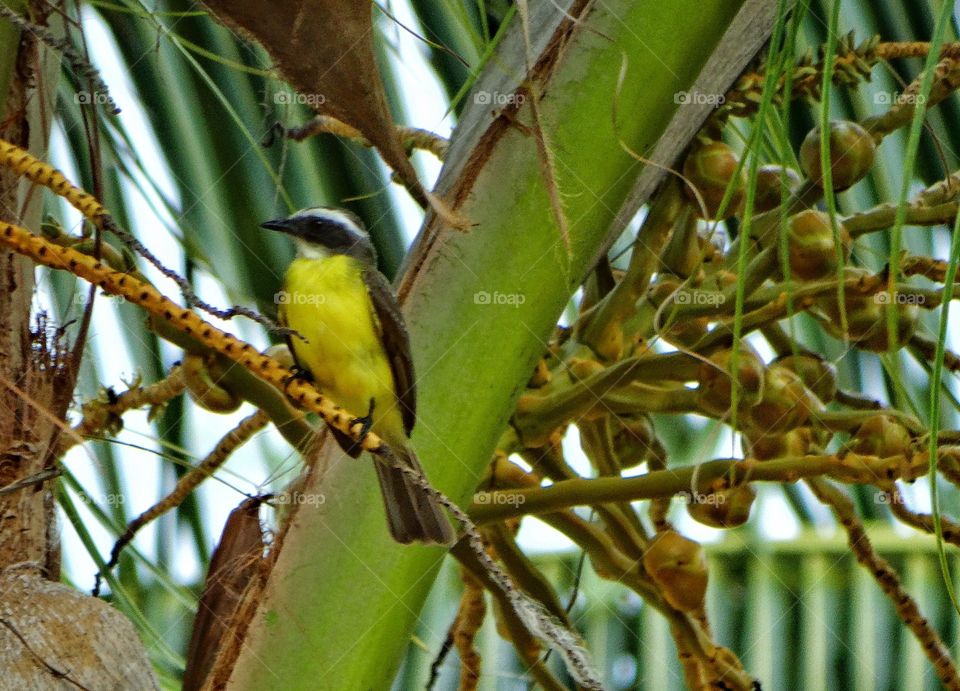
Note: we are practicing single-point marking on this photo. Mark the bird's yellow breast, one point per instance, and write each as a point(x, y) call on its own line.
point(326, 301)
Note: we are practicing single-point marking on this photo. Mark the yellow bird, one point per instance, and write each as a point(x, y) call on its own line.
point(351, 339)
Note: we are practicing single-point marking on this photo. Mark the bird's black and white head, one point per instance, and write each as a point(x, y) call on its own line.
point(323, 231)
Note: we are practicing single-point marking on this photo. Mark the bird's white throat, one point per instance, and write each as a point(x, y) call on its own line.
point(311, 250)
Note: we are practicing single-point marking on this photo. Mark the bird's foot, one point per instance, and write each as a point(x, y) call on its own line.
point(365, 423)
point(297, 373)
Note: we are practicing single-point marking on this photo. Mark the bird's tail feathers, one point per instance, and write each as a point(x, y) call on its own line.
point(412, 514)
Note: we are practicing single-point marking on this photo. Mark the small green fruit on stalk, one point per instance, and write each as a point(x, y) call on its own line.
point(852, 151)
point(710, 168)
point(785, 405)
point(867, 317)
point(812, 249)
point(714, 395)
point(632, 439)
point(818, 375)
point(881, 435)
point(797, 442)
point(769, 195)
point(728, 508)
point(679, 567)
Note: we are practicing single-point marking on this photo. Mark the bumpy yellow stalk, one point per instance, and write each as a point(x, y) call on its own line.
point(186, 321)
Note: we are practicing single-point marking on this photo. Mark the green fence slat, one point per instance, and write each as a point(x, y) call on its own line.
point(657, 653)
point(915, 671)
point(763, 644)
point(815, 629)
point(865, 618)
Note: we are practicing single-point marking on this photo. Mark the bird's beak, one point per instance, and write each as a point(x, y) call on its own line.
point(281, 224)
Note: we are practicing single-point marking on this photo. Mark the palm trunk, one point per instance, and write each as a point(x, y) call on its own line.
point(52, 635)
point(543, 187)
point(28, 362)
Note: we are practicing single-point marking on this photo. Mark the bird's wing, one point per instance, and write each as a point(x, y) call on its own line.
point(396, 342)
point(288, 339)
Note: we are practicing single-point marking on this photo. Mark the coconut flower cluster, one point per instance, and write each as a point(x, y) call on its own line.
point(732, 251)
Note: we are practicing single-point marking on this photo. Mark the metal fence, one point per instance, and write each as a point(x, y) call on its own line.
point(801, 614)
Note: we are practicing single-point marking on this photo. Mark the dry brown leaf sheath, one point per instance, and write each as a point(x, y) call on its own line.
point(325, 49)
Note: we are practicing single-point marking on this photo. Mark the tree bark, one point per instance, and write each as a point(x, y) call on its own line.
point(29, 360)
point(50, 635)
